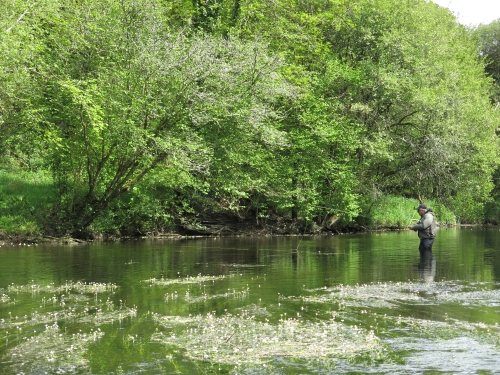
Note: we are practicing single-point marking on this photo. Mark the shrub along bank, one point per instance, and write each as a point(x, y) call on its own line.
point(27, 204)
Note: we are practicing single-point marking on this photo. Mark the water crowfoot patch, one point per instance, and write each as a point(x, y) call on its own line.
point(4, 298)
point(69, 286)
point(254, 310)
point(379, 305)
point(75, 302)
point(36, 341)
point(380, 295)
point(448, 329)
point(52, 351)
point(391, 295)
point(199, 279)
point(231, 293)
point(99, 317)
point(94, 314)
point(236, 339)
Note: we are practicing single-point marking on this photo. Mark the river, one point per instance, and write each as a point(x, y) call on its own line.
point(346, 304)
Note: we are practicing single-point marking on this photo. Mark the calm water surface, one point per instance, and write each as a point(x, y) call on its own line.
point(352, 304)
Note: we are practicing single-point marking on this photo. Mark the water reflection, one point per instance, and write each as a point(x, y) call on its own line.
point(427, 269)
point(294, 259)
point(228, 292)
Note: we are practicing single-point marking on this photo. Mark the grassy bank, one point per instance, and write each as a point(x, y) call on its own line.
point(26, 199)
point(399, 212)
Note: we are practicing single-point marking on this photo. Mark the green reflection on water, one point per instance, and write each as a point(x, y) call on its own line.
point(348, 304)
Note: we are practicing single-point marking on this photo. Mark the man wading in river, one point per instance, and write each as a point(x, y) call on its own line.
point(426, 228)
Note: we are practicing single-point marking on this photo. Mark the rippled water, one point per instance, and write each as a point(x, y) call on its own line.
point(350, 304)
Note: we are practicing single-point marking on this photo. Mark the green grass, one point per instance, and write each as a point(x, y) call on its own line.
point(24, 201)
point(392, 211)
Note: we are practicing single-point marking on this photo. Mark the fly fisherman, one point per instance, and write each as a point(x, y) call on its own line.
point(426, 228)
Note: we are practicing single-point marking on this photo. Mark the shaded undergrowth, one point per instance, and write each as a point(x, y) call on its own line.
point(28, 210)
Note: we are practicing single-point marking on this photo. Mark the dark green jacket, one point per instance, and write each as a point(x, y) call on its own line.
point(426, 226)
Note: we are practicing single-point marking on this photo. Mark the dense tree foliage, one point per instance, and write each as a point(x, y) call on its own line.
point(154, 112)
point(489, 41)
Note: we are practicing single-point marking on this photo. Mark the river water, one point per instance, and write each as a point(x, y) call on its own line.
point(347, 304)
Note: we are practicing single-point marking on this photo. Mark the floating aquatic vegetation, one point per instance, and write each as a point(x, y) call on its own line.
point(237, 339)
point(448, 329)
point(45, 348)
point(333, 330)
point(78, 287)
point(254, 310)
point(97, 314)
point(52, 351)
point(380, 295)
point(471, 295)
point(185, 280)
point(74, 298)
point(231, 293)
point(93, 288)
point(243, 339)
point(170, 321)
point(99, 317)
point(391, 295)
point(36, 318)
point(4, 298)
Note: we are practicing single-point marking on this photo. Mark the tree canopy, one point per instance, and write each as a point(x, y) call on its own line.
point(147, 112)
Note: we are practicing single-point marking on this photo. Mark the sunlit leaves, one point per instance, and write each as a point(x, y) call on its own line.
point(489, 37)
point(119, 94)
point(423, 104)
point(273, 107)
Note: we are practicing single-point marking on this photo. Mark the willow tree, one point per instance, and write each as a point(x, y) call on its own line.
point(118, 95)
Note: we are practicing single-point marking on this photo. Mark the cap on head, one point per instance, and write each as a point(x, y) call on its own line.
point(422, 207)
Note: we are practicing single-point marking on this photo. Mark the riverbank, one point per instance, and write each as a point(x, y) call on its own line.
point(214, 228)
point(30, 213)
point(21, 226)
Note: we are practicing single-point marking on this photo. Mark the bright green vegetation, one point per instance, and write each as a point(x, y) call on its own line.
point(398, 212)
point(24, 206)
point(132, 117)
point(24, 200)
